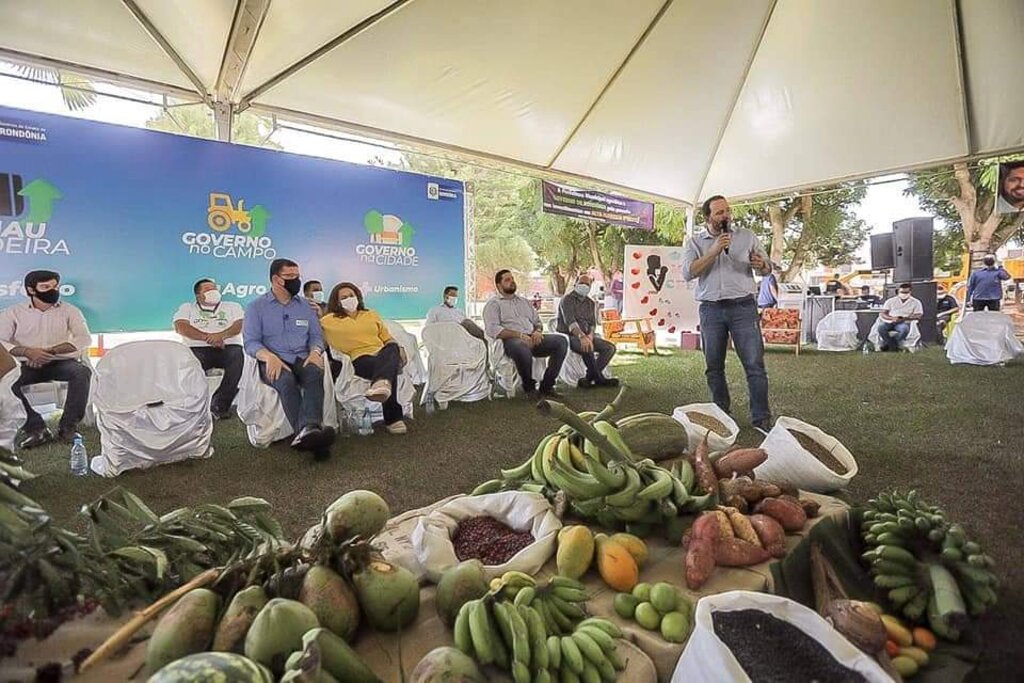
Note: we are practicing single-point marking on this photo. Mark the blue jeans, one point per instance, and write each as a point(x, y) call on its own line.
point(301, 392)
point(901, 329)
point(738, 318)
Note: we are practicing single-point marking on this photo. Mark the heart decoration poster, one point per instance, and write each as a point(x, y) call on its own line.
point(654, 288)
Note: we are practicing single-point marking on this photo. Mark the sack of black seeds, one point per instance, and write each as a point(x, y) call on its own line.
point(510, 530)
point(746, 636)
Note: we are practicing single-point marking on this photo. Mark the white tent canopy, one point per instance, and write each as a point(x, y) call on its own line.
point(670, 98)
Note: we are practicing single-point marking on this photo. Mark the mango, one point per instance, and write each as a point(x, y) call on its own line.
point(332, 600)
point(915, 653)
point(905, 666)
point(241, 612)
point(636, 547)
point(924, 639)
point(575, 551)
point(458, 585)
point(277, 632)
point(615, 565)
point(185, 628)
point(897, 632)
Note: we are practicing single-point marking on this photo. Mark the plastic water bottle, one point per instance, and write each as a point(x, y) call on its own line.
point(431, 403)
point(365, 424)
point(79, 458)
point(865, 350)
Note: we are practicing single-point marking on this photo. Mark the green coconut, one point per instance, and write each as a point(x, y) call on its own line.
point(357, 513)
point(458, 585)
point(184, 629)
point(329, 596)
point(241, 612)
point(337, 657)
point(277, 632)
point(446, 665)
point(388, 594)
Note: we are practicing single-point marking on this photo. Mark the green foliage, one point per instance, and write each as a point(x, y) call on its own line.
point(197, 120)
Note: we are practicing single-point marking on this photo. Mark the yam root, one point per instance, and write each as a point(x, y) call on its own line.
point(740, 461)
point(787, 513)
point(747, 489)
point(700, 551)
point(771, 534)
point(724, 525)
point(810, 507)
point(703, 469)
point(706, 527)
point(735, 552)
point(741, 526)
point(735, 501)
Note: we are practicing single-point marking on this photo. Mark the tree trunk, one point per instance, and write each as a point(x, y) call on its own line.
point(595, 253)
point(779, 219)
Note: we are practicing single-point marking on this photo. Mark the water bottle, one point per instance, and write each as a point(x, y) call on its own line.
point(431, 403)
point(365, 424)
point(79, 458)
point(865, 350)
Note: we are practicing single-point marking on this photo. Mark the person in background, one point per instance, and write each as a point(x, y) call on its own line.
point(722, 259)
point(768, 295)
point(985, 286)
point(212, 329)
point(617, 289)
point(282, 332)
point(359, 333)
point(447, 312)
point(577, 317)
point(866, 297)
point(514, 320)
point(836, 287)
point(49, 337)
point(896, 315)
point(313, 291)
point(945, 306)
point(537, 301)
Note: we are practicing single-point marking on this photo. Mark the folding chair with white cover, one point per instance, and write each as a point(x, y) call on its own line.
point(350, 390)
point(416, 368)
point(259, 407)
point(12, 411)
point(55, 393)
point(573, 369)
point(503, 370)
point(983, 338)
point(837, 331)
point(908, 344)
point(456, 364)
point(152, 406)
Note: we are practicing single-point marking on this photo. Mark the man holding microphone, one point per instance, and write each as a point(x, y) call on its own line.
point(723, 261)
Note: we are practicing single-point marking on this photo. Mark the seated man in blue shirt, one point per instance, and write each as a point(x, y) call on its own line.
point(985, 286)
point(282, 332)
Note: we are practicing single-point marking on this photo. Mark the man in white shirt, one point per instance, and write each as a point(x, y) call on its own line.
point(448, 313)
point(213, 330)
point(896, 315)
point(49, 338)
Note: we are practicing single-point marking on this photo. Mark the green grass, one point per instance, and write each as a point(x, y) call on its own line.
point(913, 421)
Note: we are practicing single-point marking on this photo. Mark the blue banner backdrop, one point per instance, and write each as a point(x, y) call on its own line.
point(131, 218)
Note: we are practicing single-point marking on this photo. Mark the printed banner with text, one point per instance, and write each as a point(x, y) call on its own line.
point(591, 205)
point(131, 218)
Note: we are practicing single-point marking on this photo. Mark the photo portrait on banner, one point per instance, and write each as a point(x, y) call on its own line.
point(1011, 187)
point(654, 288)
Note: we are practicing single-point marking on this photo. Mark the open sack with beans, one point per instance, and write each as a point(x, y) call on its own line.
point(510, 530)
point(805, 457)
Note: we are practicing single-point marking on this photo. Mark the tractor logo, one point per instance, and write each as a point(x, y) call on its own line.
point(221, 214)
point(388, 229)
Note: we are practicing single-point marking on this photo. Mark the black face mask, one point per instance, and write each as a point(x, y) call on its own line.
point(50, 296)
point(293, 286)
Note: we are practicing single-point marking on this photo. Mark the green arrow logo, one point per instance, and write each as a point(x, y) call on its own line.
point(41, 195)
point(258, 215)
point(405, 233)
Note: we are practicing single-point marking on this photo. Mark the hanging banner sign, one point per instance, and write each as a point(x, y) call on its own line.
point(654, 288)
point(591, 205)
point(131, 218)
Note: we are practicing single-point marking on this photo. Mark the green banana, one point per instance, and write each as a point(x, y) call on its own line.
point(606, 671)
point(574, 483)
point(559, 581)
point(521, 471)
point(612, 480)
point(897, 554)
point(916, 607)
point(588, 646)
point(609, 432)
point(557, 616)
point(554, 647)
point(490, 486)
point(563, 454)
point(463, 639)
point(569, 594)
point(626, 496)
point(544, 611)
point(520, 672)
point(570, 609)
point(480, 630)
point(520, 636)
point(518, 578)
point(590, 673)
point(892, 568)
point(571, 655)
point(500, 612)
point(589, 507)
point(894, 580)
point(603, 640)
point(525, 596)
point(538, 637)
point(902, 595)
point(659, 488)
point(602, 624)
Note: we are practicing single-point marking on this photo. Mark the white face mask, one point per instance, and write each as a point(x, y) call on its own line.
point(349, 304)
point(904, 296)
point(451, 300)
point(318, 297)
point(583, 289)
point(211, 297)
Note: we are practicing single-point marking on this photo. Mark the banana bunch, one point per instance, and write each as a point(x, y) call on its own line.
point(927, 565)
point(536, 633)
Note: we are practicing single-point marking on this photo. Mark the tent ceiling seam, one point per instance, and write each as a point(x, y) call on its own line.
point(166, 46)
point(611, 81)
point(961, 72)
point(735, 102)
point(327, 47)
point(226, 86)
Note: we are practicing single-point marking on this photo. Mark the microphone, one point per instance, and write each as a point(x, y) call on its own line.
point(725, 228)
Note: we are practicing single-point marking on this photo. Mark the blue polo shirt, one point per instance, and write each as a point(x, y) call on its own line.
point(289, 331)
point(986, 284)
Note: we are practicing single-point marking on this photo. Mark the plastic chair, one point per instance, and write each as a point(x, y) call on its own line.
point(837, 331)
point(911, 343)
point(983, 338)
point(259, 406)
point(152, 406)
point(417, 369)
point(613, 328)
point(456, 365)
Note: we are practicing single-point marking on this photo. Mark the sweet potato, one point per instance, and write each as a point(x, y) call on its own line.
point(700, 562)
point(706, 527)
point(735, 501)
point(787, 513)
point(735, 552)
point(771, 533)
point(739, 461)
point(724, 526)
point(748, 489)
point(741, 525)
point(810, 507)
point(707, 480)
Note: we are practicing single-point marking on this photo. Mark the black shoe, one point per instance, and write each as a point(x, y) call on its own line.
point(584, 384)
point(550, 393)
point(323, 450)
point(531, 393)
point(764, 426)
point(308, 438)
point(35, 439)
point(220, 414)
point(606, 382)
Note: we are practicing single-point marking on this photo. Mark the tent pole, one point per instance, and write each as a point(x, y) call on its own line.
point(245, 28)
point(690, 223)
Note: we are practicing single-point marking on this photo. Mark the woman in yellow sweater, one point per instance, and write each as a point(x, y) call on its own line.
point(359, 333)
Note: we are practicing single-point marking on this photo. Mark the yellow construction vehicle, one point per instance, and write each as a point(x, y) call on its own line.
point(221, 213)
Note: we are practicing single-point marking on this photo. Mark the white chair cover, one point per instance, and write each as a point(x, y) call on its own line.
point(56, 392)
point(259, 406)
point(837, 331)
point(349, 390)
point(12, 412)
point(456, 364)
point(983, 338)
point(416, 369)
point(152, 407)
point(574, 369)
point(909, 344)
point(503, 370)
